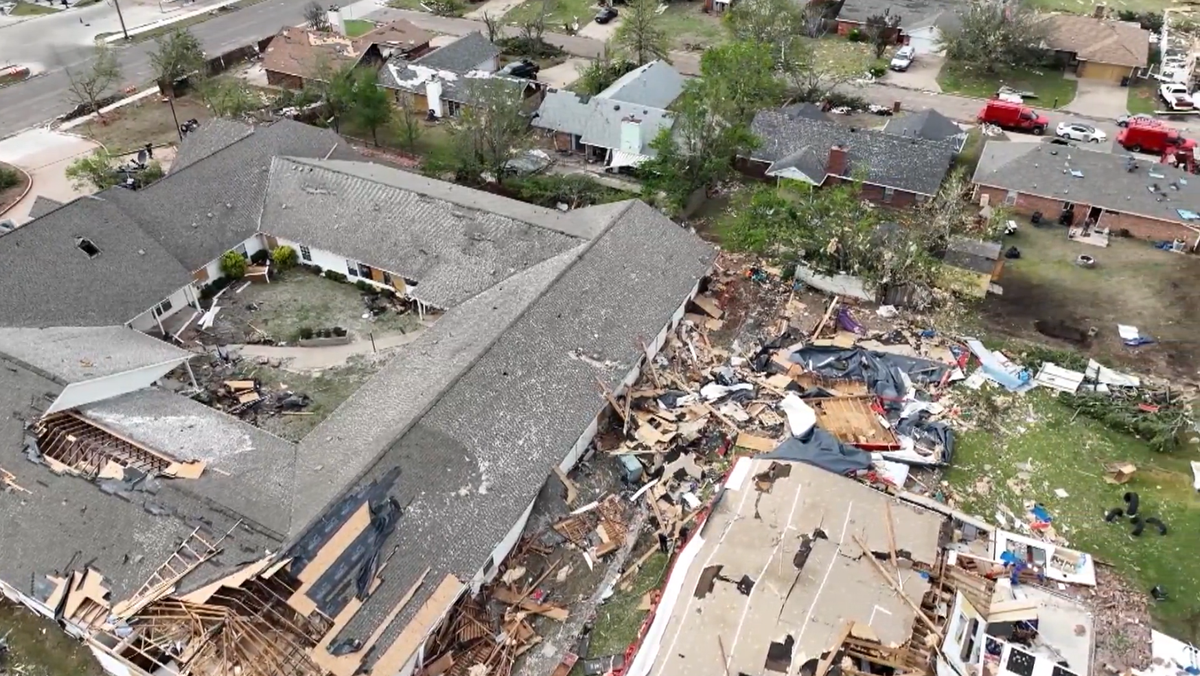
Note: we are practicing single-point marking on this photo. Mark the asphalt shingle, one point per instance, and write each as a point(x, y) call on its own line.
point(48, 280)
point(1105, 181)
point(927, 124)
point(910, 164)
point(72, 354)
point(654, 85)
point(461, 56)
point(42, 206)
point(211, 136)
point(455, 241)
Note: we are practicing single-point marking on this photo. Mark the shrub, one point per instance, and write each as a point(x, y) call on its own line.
point(855, 35)
point(339, 331)
point(285, 257)
point(259, 257)
point(306, 332)
point(8, 178)
point(362, 286)
point(233, 265)
point(315, 269)
point(877, 71)
point(335, 275)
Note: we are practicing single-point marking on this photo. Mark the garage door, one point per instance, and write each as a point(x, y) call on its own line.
point(924, 40)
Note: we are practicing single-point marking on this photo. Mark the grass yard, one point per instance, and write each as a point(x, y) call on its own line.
point(1069, 453)
point(558, 12)
point(1132, 283)
point(414, 5)
point(1143, 97)
point(147, 121)
point(837, 54)
point(968, 157)
point(357, 27)
point(1085, 6)
point(689, 27)
point(1049, 85)
point(32, 9)
point(39, 647)
point(618, 620)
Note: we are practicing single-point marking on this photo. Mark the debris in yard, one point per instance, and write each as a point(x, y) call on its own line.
point(1121, 472)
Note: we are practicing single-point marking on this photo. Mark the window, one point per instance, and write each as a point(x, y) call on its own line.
point(364, 271)
point(241, 249)
point(452, 108)
point(970, 647)
point(1011, 198)
point(305, 253)
point(86, 246)
point(888, 194)
point(387, 279)
point(352, 268)
point(162, 308)
point(921, 198)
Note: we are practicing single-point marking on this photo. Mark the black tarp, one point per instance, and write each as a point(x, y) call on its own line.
point(821, 449)
point(881, 371)
point(928, 434)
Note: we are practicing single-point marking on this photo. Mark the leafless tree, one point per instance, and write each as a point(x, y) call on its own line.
point(90, 84)
point(316, 17)
point(815, 24)
point(493, 26)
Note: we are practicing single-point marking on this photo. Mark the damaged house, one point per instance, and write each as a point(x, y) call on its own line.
point(171, 537)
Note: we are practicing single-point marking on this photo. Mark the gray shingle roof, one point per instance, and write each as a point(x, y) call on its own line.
point(476, 459)
point(195, 214)
point(598, 121)
point(910, 164)
point(1042, 169)
point(49, 281)
point(256, 474)
point(455, 241)
point(654, 85)
point(928, 124)
point(73, 354)
point(213, 135)
point(42, 206)
point(462, 55)
point(808, 110)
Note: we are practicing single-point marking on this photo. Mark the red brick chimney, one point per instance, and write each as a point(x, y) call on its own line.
point(836, 166)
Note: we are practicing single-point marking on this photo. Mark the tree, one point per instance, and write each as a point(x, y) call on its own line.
point(96, 171)
point(491, 131)
point(90, 84)
point(880, 30)
point(805, 79)
point(336, 88)
point(641, 34)
point(816, 17)
point(176, 55)
point(993, 36)
point(408, 125)
point(768, 22)
point(738, 79)
point(316, 17)
point(493, 26)
point(372, 106)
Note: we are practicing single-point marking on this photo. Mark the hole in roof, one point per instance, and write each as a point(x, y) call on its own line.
point(86, 246)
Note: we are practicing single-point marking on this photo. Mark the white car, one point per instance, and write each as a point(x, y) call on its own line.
point(1077, 131)
point(903, 58)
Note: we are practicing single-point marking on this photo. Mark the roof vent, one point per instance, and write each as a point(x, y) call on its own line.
point(86, 246)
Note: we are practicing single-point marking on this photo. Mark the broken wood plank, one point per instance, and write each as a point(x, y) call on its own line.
point(828, 313)
point(239, 385)
point(185, 470)
point(891, 533)
point(897, 588)
point(709, 305)
point(755, 442)
point(827, 661)
point(572, 492)
point(510, 597)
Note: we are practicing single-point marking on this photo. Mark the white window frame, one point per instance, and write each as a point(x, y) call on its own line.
point(351, 268)
point(162, 308)
point(888, 194)
point(242, 250)
point(305, 253)
point(1010, 198)
point(453, 108)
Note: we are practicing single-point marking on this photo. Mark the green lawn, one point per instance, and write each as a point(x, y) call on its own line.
point(1143, 97)
point(41, 648)
point(1068, 452)
point(31, 9)
point(356, 27)
point(414, 5)
point(558, 12)
point(618, 620)
point(1086, 6)
point(1049, 85)
point(687, 25)
point(837, 54)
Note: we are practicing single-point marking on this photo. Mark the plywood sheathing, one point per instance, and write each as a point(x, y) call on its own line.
point(853, 421)
point(86, 586)
point(394, 657)
point(358, 522)
point(190, 555)
point(347, 665)
point(236, 579)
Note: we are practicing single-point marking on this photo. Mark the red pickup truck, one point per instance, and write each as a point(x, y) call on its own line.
point(1014, 116)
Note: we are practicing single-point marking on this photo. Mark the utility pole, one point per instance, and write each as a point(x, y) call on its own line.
point(121, 17)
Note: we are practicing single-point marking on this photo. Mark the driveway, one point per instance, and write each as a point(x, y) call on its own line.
point(600, 31)
point(564, 74)
point(921, 75)
point(494, 8)
point(45, 155)
point(1099, 99)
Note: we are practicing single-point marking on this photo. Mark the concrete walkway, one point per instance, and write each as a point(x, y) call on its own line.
point(315, 359)
point(44, 154)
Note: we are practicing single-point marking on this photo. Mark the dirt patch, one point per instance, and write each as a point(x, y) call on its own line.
point(39, 647)
point(147, 121)
point(299, 300)
point(1132, 283)
point(12, 194)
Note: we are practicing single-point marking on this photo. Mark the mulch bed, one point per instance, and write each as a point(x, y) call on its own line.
point(10, 196)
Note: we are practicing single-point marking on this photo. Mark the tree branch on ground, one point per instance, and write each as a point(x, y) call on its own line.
point(489, 132)
point(880, 31)
point(316, 17)
point(640, 35)
point(93, 172)
point(88, 85)
point(992, 36)
point(228, 97)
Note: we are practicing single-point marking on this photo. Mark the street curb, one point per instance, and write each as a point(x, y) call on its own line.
point(28, 187)
point(147, 27)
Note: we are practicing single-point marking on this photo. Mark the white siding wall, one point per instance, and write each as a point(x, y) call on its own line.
point(213, 268)
point(146, 322)
point(490, 66)
point(332, 261)
point(99, 389)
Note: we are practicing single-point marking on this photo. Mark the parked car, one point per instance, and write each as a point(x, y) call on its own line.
point(1153, 137)
point(1124, 120)
point(1176, 96)
point(1078, 131)
point(606, 15)
point(903, 58)
point(523, 69)
point(1009, 115)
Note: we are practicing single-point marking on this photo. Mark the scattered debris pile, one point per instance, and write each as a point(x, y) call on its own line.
point(225, 386)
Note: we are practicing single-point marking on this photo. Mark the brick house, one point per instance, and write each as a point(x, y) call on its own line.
point(1146, 199)
point(437, 81)
point(895, 170)
point(295, 55)
point(922, 22)
point(617, 125)
point(1096, 48)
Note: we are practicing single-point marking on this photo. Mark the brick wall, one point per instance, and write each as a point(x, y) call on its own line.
point(900, 198)
point(277, 79)
point(1140, 227)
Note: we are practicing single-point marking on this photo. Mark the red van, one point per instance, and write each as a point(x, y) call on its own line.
point(1152, 136)
point(1009, 115)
